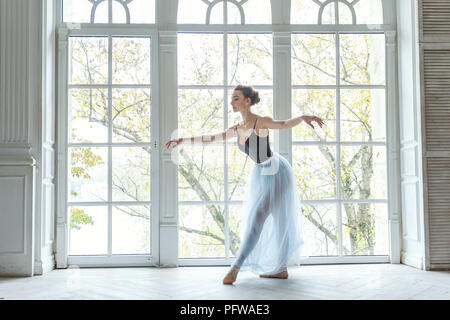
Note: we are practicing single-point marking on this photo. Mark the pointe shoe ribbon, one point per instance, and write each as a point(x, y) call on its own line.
point(231, 276)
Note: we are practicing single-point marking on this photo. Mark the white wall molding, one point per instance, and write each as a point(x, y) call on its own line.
point(26, 105)
point(168, 101)
point(412, 260)
point(19, 100)
point(17, 220)
point(282, 91)
point(410, 135)
point(393, 146)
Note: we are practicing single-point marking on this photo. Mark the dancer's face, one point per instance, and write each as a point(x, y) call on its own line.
point(239, 102)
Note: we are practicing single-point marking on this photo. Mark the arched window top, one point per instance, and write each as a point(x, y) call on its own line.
point(336, 12)
point(109, 11)
point(224, 12)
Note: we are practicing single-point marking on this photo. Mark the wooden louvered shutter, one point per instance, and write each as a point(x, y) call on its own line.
point(434, 16)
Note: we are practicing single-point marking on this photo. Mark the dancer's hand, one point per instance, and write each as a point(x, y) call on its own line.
point(309, 119)
point(176, 141)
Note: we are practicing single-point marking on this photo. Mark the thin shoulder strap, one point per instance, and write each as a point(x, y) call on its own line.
point(255, 123)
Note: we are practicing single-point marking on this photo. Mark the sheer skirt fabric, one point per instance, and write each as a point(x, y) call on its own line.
point(271, 227)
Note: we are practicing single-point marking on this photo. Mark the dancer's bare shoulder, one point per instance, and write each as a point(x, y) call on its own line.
point(268, 123)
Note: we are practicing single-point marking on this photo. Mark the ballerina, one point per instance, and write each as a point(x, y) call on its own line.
point(272, 234)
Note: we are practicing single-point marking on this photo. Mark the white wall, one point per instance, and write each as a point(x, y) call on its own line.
point(410, 135)
point(26, 226)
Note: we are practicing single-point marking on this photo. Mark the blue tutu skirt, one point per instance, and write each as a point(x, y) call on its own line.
point(272, 235)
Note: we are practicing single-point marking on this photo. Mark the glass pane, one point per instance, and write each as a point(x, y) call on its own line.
point(101, 12)
point(191, 11)
point(131, 230)
point(200, 112)
point(89, 60)
point(365, 229)
point(328, 14)
point(315, 170)
point(304, 11)
point(131, 115)
point(257, 11)
point(119, 13)
point(77, 11)
point(363, 115)
point(88, 120)
point(313, 59)
point(88, 174)
point(201, 232)
point(234, 222)
point(88, 230)
point(250, 59)
point(216, 12)
point(142, 11)
point(362, 59)
point(131, 60)
point(363, 172)
point(321, 229)
point(369, 12)
point(239, 169)
point(345, 14)
point(318, 102)
point(234, 15)
point(201, 173)
point(131, 173)
point(200, 59)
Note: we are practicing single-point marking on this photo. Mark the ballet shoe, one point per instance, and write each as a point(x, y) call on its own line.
point(230, 278)
point(280, 275)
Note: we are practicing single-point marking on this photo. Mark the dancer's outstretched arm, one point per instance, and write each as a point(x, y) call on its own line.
point(205, 139)
point(269, 123)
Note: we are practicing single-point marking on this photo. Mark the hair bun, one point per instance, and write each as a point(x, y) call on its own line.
point(255, 97)
point(249, 92)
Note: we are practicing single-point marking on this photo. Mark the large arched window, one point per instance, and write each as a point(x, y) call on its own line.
point(107, 85)
point(336, 12)
point(336, 74)
point(109, 11)
point(340, 75)
point(224, 12)
point(120, 64)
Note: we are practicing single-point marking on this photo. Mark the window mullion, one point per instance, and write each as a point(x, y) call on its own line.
point(110, 13)
point(336, 11)
point(110, 127)
point(225, 117)
point(338, 146)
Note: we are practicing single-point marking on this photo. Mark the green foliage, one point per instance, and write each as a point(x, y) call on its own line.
point(82, 159)
point(78, 218)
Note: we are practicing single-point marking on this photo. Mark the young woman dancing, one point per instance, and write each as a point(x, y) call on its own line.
point(272, 229)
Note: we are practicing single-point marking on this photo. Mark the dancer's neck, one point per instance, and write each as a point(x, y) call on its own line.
point(248, 117)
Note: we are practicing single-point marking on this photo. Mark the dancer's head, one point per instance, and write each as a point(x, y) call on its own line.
point(244, 97)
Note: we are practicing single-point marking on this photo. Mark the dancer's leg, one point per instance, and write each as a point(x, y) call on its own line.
point(251, 238)
point(281, 221)
point(254, 231)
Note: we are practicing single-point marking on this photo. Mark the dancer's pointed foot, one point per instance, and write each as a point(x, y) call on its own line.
point(231, 275)
point(279, 275)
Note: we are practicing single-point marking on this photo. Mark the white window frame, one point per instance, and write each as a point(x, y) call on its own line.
point(63, 259)
point(226, 203)
point(164, 212)
point(283, 142)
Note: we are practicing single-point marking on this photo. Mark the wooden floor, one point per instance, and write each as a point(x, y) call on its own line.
point(356, 281)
